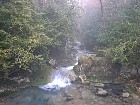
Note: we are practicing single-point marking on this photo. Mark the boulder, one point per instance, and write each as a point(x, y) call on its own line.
point(86, 61)
point(52, 62)
point(100, 85)
point(69, 74)
point(69, 98)
point(77, 69)
point(81, 78)
point(101, 92)
point(125, 95)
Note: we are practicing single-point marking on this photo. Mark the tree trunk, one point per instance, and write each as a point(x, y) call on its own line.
point(101, 6)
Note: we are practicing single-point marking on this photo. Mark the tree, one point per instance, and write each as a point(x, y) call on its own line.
point(123, 39)
point(18, 35)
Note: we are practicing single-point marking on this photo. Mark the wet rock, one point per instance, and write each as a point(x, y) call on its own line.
point(100, 85)
point(125, 95)
point(77, 69)
point(100, 53)
point(71, 75)
point(136, 97)
point(52, 62)
point(87, 95)
point(101, 92)
point(66, 95)
point(69, 98)
point(1, 90)
point(86, 61)
point(86, 82)
point(81, 78)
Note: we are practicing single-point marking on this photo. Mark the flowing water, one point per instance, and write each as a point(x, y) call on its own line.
point(58, 79)
point(53, 92)
point(41, 95)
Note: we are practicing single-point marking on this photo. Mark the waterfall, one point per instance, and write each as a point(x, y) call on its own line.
point(60, 77)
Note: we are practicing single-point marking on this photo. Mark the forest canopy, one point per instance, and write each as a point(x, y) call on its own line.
point(29, 30)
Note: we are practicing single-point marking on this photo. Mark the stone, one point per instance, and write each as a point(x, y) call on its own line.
point(84, 66)
point(82, 78)
point(66, 95)
point(125, 95)
point(86, 61)
point(69, 98)
point(77, 69)
point(87, 94)
point(86, 82)
point(1, 90)
point(100, 85)
point(52, 62)
point(100, 53)
point(136, 97)
point(101, 92)
point(71, 75)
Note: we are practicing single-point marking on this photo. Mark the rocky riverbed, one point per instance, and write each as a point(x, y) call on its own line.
point(85, 89)
point(75, 94)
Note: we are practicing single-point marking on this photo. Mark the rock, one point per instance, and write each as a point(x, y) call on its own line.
point(77, 69)
point(52, 62)
point(87, 94)
point(136, 97)
point(1, 90)
point(100, 85)
point(86, 61)
point(125, 95)
point(66, 95)
point(100, 53)
point(101, 92)
point(72, 76)
point(69, 98)
point(86, 82)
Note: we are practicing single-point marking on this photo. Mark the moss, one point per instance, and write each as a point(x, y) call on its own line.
point(10, 93)
point(44, 75)
point(131, 89)
point(39, 82)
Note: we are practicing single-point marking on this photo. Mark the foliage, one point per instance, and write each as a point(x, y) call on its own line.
point(16, 35)
point(28, 32)
point(60, 22)
point(123, 38)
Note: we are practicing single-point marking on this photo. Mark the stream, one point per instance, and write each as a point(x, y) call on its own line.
point(40, 95)
point(60, 91)
point(59, 79)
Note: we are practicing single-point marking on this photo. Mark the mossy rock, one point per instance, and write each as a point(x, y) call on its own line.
point(86, 61)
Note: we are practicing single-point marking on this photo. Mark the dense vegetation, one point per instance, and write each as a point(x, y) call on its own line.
point(117, 33)
point(31, 30)
point(122, 38)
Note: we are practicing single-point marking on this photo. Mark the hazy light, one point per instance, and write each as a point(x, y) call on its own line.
point(89, 2)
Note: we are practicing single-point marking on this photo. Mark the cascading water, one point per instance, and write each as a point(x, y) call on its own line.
point(59, 78)
point(43, 94)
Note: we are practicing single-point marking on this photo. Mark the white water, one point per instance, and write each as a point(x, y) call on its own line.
point(60, 78)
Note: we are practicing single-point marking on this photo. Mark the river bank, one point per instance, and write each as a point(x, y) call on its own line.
point(90, 91)
point(75, 94)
